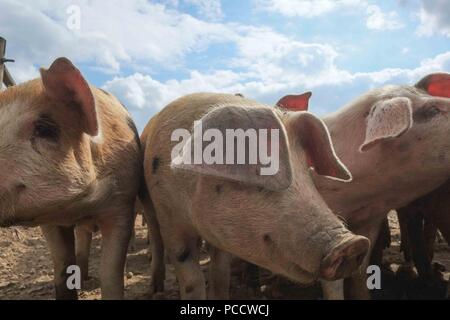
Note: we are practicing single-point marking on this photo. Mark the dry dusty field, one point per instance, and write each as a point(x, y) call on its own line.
point(26, 272)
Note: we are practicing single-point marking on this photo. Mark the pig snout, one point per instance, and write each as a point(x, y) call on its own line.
point(344, 258)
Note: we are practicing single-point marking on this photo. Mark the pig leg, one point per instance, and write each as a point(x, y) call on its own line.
point(422, 235)
point(252, 278)
point(429, 235)
point(407, 268)
point(83, 239)
point(116, 233)
point(61, 242)
point(405, 246)
point(417, 242)
point(158, 267)
point(333, 290)
point(383, 242)
point(219, 274)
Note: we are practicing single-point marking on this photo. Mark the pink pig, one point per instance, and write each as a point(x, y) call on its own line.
point(69, 154)
point(395, 142)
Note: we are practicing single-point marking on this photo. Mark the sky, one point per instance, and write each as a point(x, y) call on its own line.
point(149, 53)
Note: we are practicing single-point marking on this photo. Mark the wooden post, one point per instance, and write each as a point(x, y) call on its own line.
point(8, 79)
point(5, 76)
point(2, 56)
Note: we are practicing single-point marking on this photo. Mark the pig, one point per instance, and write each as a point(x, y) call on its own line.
point(69, 155)
point(394, 141)
point(276, 221)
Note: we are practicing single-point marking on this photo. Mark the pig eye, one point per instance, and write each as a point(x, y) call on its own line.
point(426, 113)
point(45, 128)
point(433, 111)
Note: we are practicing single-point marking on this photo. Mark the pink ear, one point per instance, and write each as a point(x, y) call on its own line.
point(295, 102)
point(64, 83)
point(436, 84)
point(316, 141)
point(387, 119)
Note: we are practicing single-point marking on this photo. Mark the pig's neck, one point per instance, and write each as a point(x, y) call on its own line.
point(364, 195)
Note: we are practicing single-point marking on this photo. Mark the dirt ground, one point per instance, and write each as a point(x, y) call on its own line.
point(26, 272)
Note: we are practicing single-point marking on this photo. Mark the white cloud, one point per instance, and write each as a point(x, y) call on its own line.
point(434, 16)
point(331, 86)
point(307, 8)
point(210, 9)
point(139, 91)
point(142, 35)
point(113, 33)
point(206, 9)
point(266, 54)
point(378, 20)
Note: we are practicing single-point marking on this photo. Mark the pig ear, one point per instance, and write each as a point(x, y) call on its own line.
point(315, 139)
point(64, 83)
point(295, 102)
point(221, 120)
point(387, 119)
point(436, 84)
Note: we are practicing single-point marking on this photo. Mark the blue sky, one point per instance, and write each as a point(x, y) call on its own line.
point(150, 52)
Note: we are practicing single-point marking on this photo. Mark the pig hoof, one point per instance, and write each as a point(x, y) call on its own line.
point(156, 287)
